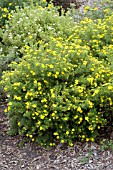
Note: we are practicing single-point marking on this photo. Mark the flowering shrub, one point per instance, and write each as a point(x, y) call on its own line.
point(92, 9)
point(61, 91)
point(30, 25)
point(98, 36)
point(6, 6)
point(62, 88)
point(5, 10)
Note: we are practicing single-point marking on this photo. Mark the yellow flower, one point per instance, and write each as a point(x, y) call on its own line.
point(95, 9)
point(51, 144)
point(41, 128)
point(5, 88)
point(59, 45)
point(10, 4)
point(43, 100)
point(67, 132)
point(73, 130)
point(35, 82)
point(42, 65)
point(34, 105)
point(38, 122)
point(90, 104)
point(17, 98)
point(83, 136)
point(96, 92)
point(16, 84)
point(32, 72)
point(57, 137)
point(39, 83)
point(18, 123)
point(90, 79)
point(39, 88)
point(90, 128)
point(62, 72)
point(5, 10)
point(110, 101)
point(27, 105)
point(70, 144)
point(65, 118)
point(9, 108)
point(79, 109)
point(92, 139)
point(30, 136)
point(53, 95)
point(36, 113)
point(110, 87)
point(33, 139)
point(92, 69)
point(86, 118)
point(5, 110)
point(49, 74)
point(53, 114)
point(56, 133)
point(62, 141)
point(76, 82)
point(30, 36)
point(4, 15)
point(42, 116)
point(80, 120)
point(60, 127)
point(86, 8)
point(84, 63)
point(40, 8)
point(87, 139)
point(51, 66)
point(24, 89)
point(75, 117)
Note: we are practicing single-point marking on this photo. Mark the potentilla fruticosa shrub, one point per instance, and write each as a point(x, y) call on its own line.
point(98, 35)
point(6, 6)
point(29, 25)
point(93, 10)
point(59, 92)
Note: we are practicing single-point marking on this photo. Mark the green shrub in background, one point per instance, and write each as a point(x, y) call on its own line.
point(93, 10)
point(6, 6)
point(61, 91)
point(98, 35)
point(30, 25)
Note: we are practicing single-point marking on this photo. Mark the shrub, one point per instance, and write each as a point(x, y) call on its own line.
point(93, 10)
point(61, 91)
point(30, 25)
point(7, 6)
point(98, 36)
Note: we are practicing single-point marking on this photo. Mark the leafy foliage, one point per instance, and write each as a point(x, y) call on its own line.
point(63, 90)
point(30, 25)
point(59, 84)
